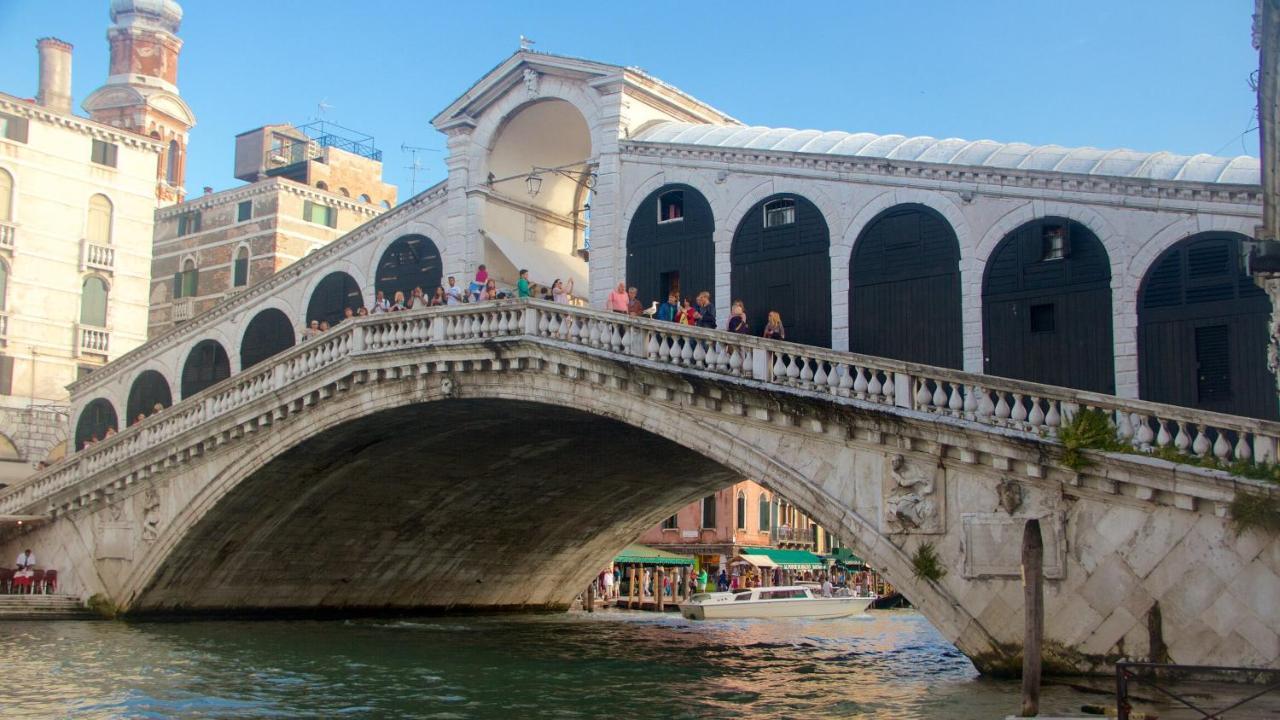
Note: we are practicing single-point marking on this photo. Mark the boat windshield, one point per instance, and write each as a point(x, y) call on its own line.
point(700, 597)
point(742, 596)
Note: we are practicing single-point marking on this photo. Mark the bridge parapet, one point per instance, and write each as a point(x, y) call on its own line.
point(997, 405)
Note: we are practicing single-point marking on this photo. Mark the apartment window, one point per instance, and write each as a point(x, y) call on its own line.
point(779, 213)
point(189, 223)
point(709, 511)
point(1053, 242)
point(93, 302)
point(240, 273)
point(671, 206)
point(171, 163)
point(365, 198)
point(6, 375)
point(319, 214)
point(764, 512)
point(1042, 318)
point(670, 523)
point(13, 128)
point(104, 153)
point(98, 228)
point(6, 196)
point(742, 511)
point(186, 282)
point(244, 211)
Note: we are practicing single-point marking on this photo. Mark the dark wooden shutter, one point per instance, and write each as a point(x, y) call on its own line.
point(6, 375)
point(1213, 363)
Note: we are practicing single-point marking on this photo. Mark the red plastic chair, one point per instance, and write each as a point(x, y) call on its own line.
point(6, 579)
point(37, 581)
point(50, 581)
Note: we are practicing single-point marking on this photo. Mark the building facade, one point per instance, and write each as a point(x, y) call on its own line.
point(77, 204)
point(745, 514)
point(303, 193)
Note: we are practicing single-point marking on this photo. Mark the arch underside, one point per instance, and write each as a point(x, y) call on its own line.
point(465, 503)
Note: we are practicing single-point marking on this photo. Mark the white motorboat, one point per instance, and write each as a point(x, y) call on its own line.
point(786, 601)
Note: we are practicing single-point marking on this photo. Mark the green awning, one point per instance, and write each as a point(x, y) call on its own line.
point(845, 556)
point(645, 555)
point(788, 559)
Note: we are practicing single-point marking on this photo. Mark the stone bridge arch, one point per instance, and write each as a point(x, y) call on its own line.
point(159, 578)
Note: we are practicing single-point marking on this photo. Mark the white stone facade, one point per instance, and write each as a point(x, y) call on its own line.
point(51, 246)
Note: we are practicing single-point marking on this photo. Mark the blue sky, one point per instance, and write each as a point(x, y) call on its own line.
point(1144, 74)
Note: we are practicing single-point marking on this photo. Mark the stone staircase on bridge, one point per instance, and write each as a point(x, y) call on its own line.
point(43, 607)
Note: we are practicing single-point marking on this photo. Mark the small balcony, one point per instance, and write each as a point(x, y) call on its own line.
point(7, 233)
point(97, 257)
point(184, 309)
point(92, 340)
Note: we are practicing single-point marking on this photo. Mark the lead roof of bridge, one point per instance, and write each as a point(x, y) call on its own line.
point(1241, 170)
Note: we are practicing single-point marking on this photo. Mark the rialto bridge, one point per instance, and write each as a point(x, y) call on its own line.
point(493, 455)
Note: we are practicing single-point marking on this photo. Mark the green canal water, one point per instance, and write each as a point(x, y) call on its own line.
point(890, 664)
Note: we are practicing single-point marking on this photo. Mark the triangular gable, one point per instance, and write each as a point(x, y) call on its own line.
point(510, 72)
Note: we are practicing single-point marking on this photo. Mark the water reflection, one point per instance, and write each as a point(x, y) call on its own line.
point(888, 664)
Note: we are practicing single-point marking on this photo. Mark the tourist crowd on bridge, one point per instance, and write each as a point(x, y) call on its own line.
point(698, 311)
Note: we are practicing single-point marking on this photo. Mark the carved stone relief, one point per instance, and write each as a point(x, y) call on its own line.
point(151, 515)
point(993, 544)
point(914, 497)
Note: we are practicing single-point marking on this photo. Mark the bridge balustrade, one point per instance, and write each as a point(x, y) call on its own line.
point(843, 377)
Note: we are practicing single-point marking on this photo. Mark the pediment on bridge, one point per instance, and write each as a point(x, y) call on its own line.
point(525, 70)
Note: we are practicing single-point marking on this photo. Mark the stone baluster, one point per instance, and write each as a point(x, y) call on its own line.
point(735, 361)
point(1242, 451)
point(1222, 447)
point(846, 379)
point(939, 399)
point(1019, 412)
point(874, 387)
point(860, 384)
point(699, 353)
point(1181, 441)
point(779, 370)
point(923, 397)
point(1002, 407)
point(820, 377)
point(1036, 416)
point(1200, 445)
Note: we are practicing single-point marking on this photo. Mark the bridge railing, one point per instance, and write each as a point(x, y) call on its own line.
point(845, 377)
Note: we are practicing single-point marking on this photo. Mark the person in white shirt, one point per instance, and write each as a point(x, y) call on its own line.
point(453, 293)
point(826, 586)
point(26, 561)
point(380, 304)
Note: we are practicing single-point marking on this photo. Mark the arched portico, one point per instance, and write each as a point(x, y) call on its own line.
point(268, 333)
point(671, 244)
point(904, 288)
point(206, 365)
point(149, 390)
point(96, 419)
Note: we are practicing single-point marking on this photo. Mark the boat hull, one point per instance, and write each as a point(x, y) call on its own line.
point(816, 608)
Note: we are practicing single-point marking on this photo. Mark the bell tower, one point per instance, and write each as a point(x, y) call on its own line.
point(141, 92)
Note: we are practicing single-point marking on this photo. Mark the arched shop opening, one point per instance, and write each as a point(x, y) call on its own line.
point(268, 333)
point(1046, 307)
point(904, 288)
point(1202, 330)
point(206, 365)
point(781, 263)
point(149, 390)
point(335, 293)
point(671, 245)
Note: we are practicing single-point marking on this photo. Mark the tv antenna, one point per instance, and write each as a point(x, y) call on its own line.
point(414, 165)
point(322, 107)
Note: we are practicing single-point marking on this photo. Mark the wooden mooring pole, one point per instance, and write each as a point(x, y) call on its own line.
point(1033, 614)
point(591, 597)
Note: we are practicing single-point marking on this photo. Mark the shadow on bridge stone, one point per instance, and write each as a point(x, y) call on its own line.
point(461, 504)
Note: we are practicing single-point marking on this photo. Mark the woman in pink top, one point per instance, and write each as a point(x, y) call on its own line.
point(619, 299)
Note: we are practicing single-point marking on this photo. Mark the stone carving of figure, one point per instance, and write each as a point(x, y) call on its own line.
point(151, 515)
point(531, 82)
point(910, 503)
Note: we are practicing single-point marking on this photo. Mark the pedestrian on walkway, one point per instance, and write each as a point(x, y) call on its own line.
point(706, 312)
point(522, 285)
point(738, 319)
point(619, 300)
point(773, 329)
point(669, 309)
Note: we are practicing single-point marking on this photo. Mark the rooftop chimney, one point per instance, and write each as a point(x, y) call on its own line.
point(55, 74)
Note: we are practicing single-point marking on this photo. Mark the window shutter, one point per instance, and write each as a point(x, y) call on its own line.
point(15, 128)
point(177, 285)
point(1213, 363)
point(6, 375)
